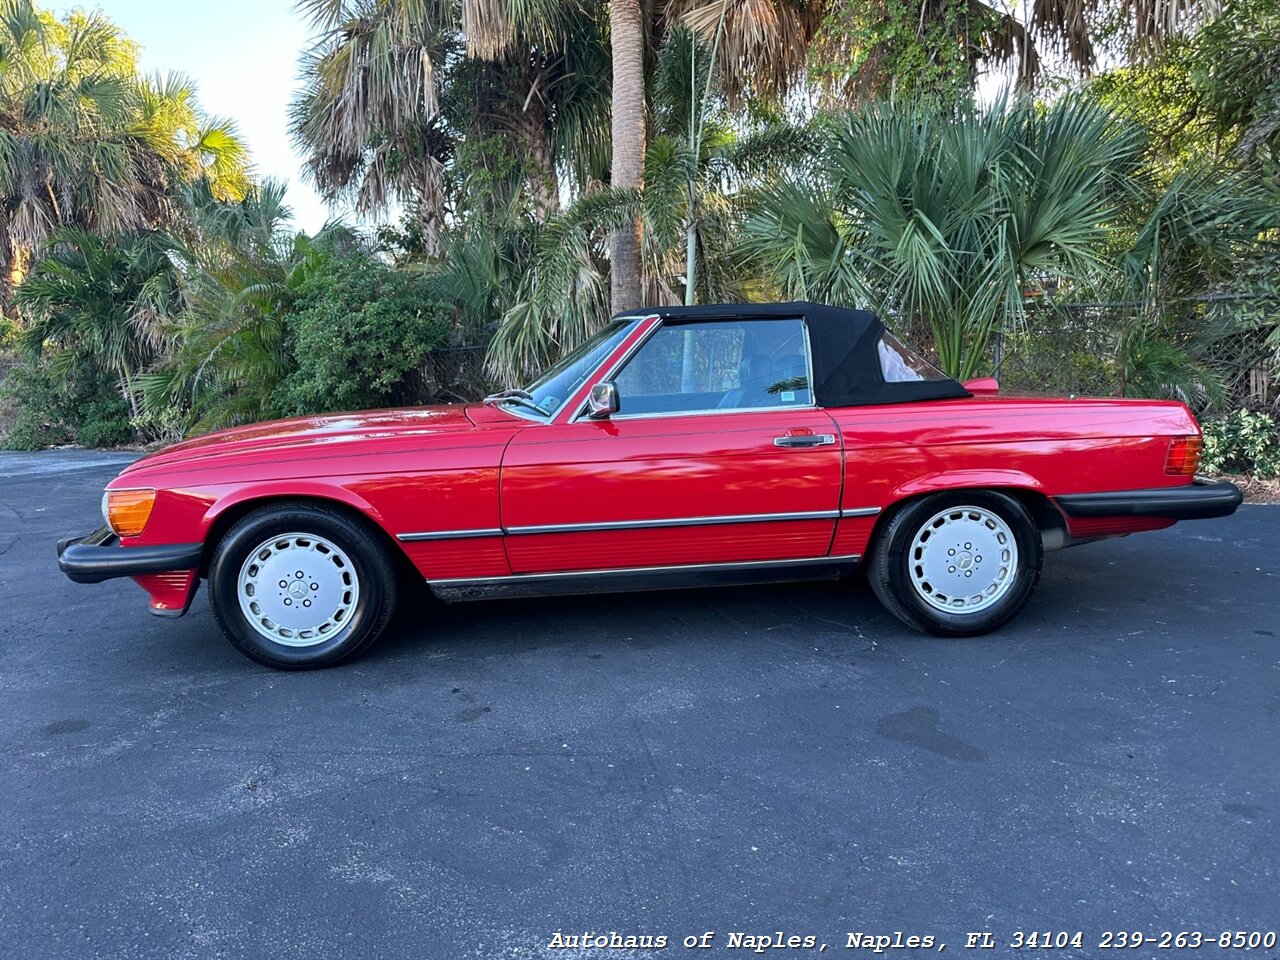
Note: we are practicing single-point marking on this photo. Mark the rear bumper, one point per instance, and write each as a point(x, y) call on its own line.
point(1200, 500)
point(100, 557)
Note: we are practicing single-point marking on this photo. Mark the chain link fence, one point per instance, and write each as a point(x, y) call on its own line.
point(1075, 349)
point(1063, 349)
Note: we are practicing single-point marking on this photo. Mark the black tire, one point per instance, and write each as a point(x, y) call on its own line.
point(890, 569)
point(372, 563)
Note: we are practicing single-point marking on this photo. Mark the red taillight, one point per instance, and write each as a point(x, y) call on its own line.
point(1184, 456)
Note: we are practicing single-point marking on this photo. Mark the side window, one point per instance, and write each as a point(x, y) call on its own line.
point(721, 365)
point(900, 365)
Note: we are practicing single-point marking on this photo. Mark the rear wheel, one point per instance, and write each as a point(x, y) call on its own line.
point(957, 564)
point(301, 586)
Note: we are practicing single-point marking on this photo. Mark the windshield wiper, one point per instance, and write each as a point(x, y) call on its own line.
point(520, 398)
point(508, 394)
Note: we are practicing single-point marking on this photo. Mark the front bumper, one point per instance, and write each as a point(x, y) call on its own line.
point(1200, 500)
point(99, 557)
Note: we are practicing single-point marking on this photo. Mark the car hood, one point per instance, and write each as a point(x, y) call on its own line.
point(277, 436)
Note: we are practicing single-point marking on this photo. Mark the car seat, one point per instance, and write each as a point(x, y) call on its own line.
point(754, 377)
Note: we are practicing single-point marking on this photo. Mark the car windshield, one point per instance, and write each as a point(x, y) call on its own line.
point(546, 394)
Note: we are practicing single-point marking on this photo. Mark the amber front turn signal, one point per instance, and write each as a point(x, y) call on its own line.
point(127, 511)
point(1184, 456)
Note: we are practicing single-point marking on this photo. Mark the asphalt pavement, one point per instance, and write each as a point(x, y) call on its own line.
point(771, 760)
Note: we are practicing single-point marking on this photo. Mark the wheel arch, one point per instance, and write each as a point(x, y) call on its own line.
point(231, 511)
point(1043, 511)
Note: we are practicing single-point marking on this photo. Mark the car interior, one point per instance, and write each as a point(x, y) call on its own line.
point(731, 365)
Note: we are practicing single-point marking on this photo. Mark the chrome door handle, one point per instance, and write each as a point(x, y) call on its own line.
point(805, 440)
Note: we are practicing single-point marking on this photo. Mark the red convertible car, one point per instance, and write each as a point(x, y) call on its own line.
point(678, 447)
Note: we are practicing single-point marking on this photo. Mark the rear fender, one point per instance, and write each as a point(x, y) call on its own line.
point(859, 535)
point(1048, 518)
point(966, 480)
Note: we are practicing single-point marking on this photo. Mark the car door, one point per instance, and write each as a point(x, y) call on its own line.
point(715, 455)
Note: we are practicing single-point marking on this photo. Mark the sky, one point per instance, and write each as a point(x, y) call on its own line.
point(243, 57)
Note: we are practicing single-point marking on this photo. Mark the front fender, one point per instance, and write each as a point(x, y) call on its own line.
point(291, 489)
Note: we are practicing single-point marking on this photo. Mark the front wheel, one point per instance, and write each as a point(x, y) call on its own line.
point(301, 586)
point(957, 564)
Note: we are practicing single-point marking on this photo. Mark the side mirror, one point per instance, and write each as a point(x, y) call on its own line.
point(602, 402)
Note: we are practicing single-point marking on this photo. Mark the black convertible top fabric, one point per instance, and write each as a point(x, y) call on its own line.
point(846, 365)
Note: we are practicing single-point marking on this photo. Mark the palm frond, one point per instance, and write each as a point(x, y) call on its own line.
point(765, 45)
point(563, 296)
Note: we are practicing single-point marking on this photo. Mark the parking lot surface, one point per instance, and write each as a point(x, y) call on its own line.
point(770, 759)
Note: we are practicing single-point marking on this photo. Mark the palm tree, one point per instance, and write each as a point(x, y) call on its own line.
point(944, 220)
point(562, 295)
point(197, 147)
point(105, 301)
point(368, 109)
point(548, 62)
point(85, 141)
point(626, 40)
point(764, 45)
point(564, 264)
point(390, 99)
point(391, 109)
point(239, 274)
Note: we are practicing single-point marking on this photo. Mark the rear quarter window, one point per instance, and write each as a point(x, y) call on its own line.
point(900, 364)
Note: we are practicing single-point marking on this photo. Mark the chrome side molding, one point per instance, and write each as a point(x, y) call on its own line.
point(675, 522)
point(860, 512)
point(448, 534)
point(639, 524)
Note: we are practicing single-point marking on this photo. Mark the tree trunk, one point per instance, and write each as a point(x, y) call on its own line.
point(431, 209)
point(544, 185)
point(15, 261)
point(627, 40)
point(543, 180)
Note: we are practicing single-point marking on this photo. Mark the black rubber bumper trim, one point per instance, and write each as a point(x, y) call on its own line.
point(1200, 500)
point(99, 557)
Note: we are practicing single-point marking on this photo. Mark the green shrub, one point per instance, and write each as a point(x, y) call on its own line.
point(165, 424)
point(81, 406)
point(8, 334)
point(1242, 442)
point(358, 330)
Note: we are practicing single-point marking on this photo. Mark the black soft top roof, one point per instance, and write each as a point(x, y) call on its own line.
point(846, 364)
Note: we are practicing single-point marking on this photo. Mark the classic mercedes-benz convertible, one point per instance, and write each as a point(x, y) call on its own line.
point(678, 447)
